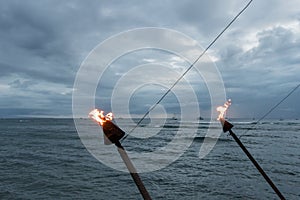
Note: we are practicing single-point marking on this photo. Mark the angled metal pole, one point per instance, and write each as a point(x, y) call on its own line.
point(135, 176)
point(114, 134)
point(227, 127)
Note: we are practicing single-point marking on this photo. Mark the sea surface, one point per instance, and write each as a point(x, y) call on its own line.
point(45, 159)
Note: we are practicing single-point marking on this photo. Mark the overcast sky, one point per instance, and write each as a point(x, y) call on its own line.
point(44, 42)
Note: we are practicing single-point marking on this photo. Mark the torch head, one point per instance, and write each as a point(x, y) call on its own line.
point(222, 111)
point(226, 125)
point(112, 132)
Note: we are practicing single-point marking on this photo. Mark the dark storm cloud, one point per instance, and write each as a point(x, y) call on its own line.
point(27, 27)
point(265, 73)
point(39, 55)
point(56, 75)
point(30, 41)
point(276, 55)
point(21, 85)
point(48, 39)
point(44, 42)
point(208, 16)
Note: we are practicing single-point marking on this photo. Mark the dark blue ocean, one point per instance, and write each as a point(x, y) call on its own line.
point(45, 159)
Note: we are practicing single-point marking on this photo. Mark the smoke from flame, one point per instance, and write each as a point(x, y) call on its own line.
point(99, 117)
point(222, 109)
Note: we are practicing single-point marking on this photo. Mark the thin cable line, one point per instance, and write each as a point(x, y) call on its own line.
point(187, 70)
point(271, 110)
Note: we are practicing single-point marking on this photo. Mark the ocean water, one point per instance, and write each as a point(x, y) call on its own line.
point(45, 159)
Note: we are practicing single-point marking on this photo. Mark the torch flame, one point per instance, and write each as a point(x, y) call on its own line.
point(99, 117)
point(222, 109)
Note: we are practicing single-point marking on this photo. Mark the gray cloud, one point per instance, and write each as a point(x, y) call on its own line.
point(265, 73)
point(44, 42)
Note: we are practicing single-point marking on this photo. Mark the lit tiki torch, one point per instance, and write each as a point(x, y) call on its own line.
point(227, 127)
point(112, 135)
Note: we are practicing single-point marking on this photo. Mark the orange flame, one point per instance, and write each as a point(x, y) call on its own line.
point(223, 109)
point(99, 117)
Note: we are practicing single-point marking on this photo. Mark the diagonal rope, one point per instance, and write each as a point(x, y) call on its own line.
point(271, 110)
point(187, 70)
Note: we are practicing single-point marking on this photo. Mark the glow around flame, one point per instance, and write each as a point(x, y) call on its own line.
point(99, 117)
point(222, 109)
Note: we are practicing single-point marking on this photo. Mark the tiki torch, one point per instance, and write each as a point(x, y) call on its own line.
point(112, 135)
point(227, 127)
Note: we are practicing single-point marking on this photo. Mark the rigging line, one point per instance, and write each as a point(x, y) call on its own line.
point(273, 108)
point(187, 70)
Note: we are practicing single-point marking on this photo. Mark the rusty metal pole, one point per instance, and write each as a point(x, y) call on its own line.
point(114, 134)
point(135, 176)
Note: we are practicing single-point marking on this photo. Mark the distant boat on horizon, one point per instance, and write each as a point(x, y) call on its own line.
point(200, 118)
point(174, 117)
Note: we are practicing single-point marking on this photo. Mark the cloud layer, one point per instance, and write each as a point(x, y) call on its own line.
point(44, 42)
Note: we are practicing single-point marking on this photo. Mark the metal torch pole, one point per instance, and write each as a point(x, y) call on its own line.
point(227, 127)
point(112, 135)
point(262, 172)
point(135, 176)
